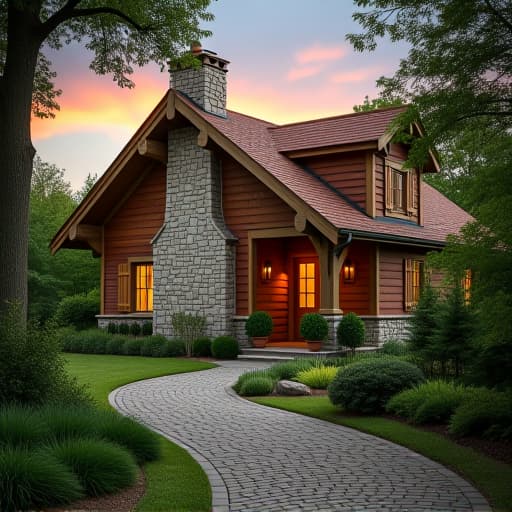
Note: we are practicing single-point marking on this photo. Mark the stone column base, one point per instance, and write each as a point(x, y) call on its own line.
point(384, 328)
point(239, 331)
point(332, 321)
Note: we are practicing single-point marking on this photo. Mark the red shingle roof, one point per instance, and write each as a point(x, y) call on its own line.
point(333, 131)
point(258, 140)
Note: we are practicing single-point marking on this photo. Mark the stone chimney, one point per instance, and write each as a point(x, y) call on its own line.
point(204, 85)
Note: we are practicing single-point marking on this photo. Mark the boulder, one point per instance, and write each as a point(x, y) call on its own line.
point(291, 388)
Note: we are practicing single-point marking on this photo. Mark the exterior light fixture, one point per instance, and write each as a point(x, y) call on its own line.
point(267, 271)
point(349, 271)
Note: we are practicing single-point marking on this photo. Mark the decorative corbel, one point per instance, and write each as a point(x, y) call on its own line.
point(155, 149)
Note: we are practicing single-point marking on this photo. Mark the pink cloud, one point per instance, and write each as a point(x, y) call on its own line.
point(303, 72)
point(358, 75)
point(318, 53)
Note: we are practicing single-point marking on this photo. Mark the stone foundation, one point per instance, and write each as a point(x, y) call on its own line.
point(104, 320)
point(332, 321)
point(239, 331)
point(384, 328)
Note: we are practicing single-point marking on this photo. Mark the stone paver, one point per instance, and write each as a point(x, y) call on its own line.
point(262, 459)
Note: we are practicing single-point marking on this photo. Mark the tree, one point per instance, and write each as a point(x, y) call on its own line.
point(376, 103)
point(120, 35)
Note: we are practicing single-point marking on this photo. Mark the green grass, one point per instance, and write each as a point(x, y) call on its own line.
point(492, 478)
point(176, 481)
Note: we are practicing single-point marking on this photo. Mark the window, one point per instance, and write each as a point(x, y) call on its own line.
point(402, 191)
point(413, 281)
point(144, 287)
point(306, 285)
point(466, 286)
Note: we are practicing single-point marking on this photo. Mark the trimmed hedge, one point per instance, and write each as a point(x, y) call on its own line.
point(202, 347)
point(225, 347)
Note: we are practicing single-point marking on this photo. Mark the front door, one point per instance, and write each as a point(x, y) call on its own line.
point(306, 289)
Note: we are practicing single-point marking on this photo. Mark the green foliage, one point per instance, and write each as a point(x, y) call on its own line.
point(394, 348)
point(318, 378)
point(154, 346)
point(101, 467)
point(266, 373)
point(135, 329)
point(202, 347)
point(350, 332)
point(433, 401)
point(289, 369)
point(376, 103)
point(188, 328)
point(313, 327)
point(112, 328)
point(225, 347)
point(31, 367)
point(175, 348)
point(124, 328)
point(78, 311)
point(21, 426)
point(259, 323)
point(30, 480)
point(257, 386)
point(115, 344)
point(367, 386)
point(483, 412)
point(147, 328)
point(132, 346)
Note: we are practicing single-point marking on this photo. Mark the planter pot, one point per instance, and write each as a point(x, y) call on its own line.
point(314, 346)
point(259, 341)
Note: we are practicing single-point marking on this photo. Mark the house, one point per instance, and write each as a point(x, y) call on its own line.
point(214, 212)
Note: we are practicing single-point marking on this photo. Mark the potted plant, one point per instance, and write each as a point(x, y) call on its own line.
point(258, 327)
point(314, 329)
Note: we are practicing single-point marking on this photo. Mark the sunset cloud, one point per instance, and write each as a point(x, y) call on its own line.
point(358, 75)
point(305, 72)
point(319, 53)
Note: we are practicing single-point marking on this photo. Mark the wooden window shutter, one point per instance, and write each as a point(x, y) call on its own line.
point(123, 287)
point(408, 285)
point(389, 188)
point(412, 198)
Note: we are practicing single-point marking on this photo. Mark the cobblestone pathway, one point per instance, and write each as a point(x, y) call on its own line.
point(262, 459)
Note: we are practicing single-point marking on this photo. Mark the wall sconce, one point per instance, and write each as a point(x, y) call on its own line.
point(349, 271)
point(267, 271)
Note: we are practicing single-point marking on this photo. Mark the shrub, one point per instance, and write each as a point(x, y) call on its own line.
point(394, 348)
point(123, 328)
point(319, 377)
point(483, 412)
point(266, 373)
point(225, 347)
point(135, 329)
point(78, 310)
point(101, 467)
point(21, 426)
point(132, 346)
point(115, 344)
point(259, 323)
point(31, 480)
point(350, 332)
point(202, 347)
point(367, 386)
point(90, 341)
point(68, 422)
point(188, 328)
point(257, 386)
point(64, 335)
point(431, 402)
point(289, 369)
point(147, 328)
point(174, 348)
point(313, 327)
point(154, 346)
point(112, 328)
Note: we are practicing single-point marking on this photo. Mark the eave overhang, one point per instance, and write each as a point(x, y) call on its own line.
point(394, 239)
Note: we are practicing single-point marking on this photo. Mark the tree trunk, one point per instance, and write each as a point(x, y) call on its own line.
point(17, 154)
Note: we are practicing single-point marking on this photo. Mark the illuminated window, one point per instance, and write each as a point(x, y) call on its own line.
point(466, 286)
point(144, 287)
point(306, 285)
point(413, 281)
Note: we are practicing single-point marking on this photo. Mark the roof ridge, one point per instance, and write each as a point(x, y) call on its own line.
point(273, 125)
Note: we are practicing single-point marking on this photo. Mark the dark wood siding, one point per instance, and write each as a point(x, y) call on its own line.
point(130, 230)
point(346, 172)
point(249, 205)
point(355, 296)
point(379, 186)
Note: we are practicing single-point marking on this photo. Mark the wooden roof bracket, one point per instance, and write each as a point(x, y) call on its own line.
point(155, 149)
point(170, 111)
point(87, 233)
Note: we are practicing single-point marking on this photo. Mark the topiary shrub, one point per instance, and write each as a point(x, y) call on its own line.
point(124, 328)
point(225, 347)
point(132, 346)
point(259, 324)
point(313, 327)
point(367, 386)
point(112, 328)
point(79, 310)
point(147, 328)
point(257, 386)
point(154, 346)
point(135, 329)
point(350, 331)
point(202, 347)
point(175, 348)
point(319, 377)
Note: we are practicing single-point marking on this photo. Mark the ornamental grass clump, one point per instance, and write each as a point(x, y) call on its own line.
point(257, 386)
point(21, 426)
point(319, 377)
point(289, 369)
point(266, 373)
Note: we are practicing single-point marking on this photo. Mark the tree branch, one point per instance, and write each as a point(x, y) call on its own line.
point(501, 113)
point(498, 15)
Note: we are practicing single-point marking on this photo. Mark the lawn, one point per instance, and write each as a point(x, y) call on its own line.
point(176, 481)
point(492, 478)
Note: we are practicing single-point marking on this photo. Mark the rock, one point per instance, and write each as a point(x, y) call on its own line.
point(291, 388)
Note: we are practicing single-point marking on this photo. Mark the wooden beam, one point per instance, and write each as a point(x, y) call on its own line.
point(342, 148)
point(202, 138)
point(170, 110)
point(370, 184)
point(155, 149)
point(87, 233)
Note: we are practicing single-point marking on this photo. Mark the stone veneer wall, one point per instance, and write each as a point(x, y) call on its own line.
point(193, 254)
point(239, 331)
point(383, 328)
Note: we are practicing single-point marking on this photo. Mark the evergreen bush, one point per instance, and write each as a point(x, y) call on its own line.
point(115, 344)
point(259, 324)
point(313, 327)
point(225, 347)
point(175, 348)
point(350, 332)
point(147, 328)
point(394, 348)
point(367, 386)
point(78, 311)
point(135, 329)
point(202, 347)
point(132, 346)
point(123, 328)
point(112, 328)
point(154, 346)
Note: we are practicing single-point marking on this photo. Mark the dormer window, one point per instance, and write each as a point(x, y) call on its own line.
point(402, 194)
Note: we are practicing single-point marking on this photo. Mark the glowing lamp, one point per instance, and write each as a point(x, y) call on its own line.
point(349, 271)
point(267, 271)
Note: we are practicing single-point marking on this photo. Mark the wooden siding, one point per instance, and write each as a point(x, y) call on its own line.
point(248, 205)
point(355, 296)
point(346, 172)
point(391, 281)
point(379, 186)
point(398, 151)
point(130, 230)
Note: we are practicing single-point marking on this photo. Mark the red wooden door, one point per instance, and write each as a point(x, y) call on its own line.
point(306, 289)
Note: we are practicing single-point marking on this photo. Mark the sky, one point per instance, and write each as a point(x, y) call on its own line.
point(289, 61)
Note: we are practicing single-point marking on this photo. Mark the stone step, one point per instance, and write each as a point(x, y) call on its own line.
point(268, 359)
point(284, 353)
